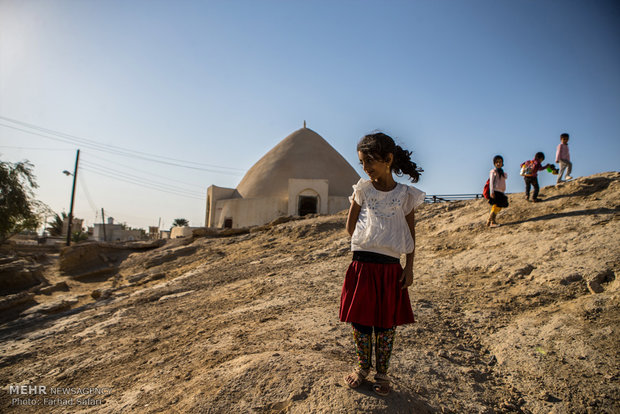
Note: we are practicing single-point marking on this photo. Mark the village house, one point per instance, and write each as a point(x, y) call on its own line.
point(115, 232)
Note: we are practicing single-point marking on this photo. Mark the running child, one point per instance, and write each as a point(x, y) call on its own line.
point(381, 223)
point(531, 178)
point(497, 188)
point(562, 156)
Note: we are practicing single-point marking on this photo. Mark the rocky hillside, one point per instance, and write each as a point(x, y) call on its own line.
point(524, 318)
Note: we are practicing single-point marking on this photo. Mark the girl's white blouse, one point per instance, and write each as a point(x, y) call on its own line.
point(381, 226)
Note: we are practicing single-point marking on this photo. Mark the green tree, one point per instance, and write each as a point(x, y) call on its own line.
point(180, 222)
point(19, 210)
point(79, 236)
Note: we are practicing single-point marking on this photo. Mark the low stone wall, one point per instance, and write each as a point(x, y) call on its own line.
point(91, 258)
point(17, 275)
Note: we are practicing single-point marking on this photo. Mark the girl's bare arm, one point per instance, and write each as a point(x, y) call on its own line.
point(354, 212)
point(406, 279)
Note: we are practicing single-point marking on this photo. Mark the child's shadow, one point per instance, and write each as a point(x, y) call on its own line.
point(400, 400)
point(557, 197)
point(614, 210)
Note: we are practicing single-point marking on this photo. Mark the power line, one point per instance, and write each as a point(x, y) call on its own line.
point(102, 166)
point(69, 139)
point(37, 148)
point(116, 174)
point(112, 173)
point(120, 153)
point(142, 184)
point(147, 184)
point(113, 147)
point(146, 172)
point(87, 193)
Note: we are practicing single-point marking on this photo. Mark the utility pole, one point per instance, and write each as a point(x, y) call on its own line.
point(75, 171)
point(103, 221)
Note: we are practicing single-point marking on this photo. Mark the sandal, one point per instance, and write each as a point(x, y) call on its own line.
point(356, 378)
point(382, 385)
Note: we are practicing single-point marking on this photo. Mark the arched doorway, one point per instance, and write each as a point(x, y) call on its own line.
point(307, 205)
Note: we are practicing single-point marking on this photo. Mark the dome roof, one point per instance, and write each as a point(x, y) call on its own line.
point(303, 154)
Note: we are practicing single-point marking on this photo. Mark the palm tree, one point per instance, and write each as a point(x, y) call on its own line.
point(55, 227)
point(180, 222)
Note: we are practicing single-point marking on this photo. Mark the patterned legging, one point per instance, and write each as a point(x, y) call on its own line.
point(384, 341)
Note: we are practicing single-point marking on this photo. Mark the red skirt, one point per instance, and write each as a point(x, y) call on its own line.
point(372, 296)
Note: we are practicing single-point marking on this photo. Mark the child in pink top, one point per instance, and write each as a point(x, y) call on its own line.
point(562, 156)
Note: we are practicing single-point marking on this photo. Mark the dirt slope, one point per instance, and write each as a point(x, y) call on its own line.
point(521, 318)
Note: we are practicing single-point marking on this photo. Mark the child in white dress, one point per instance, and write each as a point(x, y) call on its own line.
point(381, 222)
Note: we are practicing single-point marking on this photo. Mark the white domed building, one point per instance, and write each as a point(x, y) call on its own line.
point(301, 175)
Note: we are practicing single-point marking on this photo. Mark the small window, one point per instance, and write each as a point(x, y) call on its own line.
point(228, 223)
point(308, 205)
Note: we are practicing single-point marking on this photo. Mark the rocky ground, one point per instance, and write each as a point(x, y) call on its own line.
point(523, 318)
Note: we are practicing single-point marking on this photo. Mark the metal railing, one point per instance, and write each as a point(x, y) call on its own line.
point(442, 198)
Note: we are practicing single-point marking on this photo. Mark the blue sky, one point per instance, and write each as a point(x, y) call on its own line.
point(219, 83)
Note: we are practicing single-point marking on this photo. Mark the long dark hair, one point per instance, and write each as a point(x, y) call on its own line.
point(500, 171)
point(378, 145)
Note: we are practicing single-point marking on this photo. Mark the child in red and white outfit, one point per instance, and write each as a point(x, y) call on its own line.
point(381, 222)
point(497, 190)
point(531, 180)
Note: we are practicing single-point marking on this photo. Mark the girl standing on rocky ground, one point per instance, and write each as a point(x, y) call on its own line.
point(381, 222)
point(497, 188)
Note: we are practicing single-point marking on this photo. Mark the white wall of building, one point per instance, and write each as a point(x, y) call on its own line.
point(337, 204)
point(259, 211)
point(214, 194)
point(126, 235)
point(109, 230)
point(180, 232)
point(250, 212)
